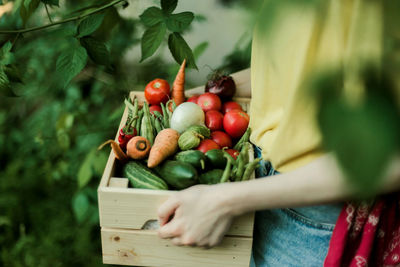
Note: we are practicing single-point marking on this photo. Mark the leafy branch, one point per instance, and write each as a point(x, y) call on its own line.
point(79, 17)
point(158, 21)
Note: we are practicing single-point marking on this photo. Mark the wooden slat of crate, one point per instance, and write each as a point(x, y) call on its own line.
point(145, 248)
point(131, 208)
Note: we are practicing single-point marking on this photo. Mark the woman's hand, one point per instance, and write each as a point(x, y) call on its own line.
point(200, 216)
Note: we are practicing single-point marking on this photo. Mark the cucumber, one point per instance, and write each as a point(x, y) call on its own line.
point(216, 159)
point(196, 158)
point(211, 177)
point(178, 174)
point(142, 177)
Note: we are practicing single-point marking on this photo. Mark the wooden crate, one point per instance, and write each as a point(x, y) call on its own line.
point(125, 211)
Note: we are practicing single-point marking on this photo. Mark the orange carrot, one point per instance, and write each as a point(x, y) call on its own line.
point(138, 147)
point(165, 145)
point(119, 154)
point(178, 87)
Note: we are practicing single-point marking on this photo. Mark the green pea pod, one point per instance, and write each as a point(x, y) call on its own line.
point(245, 138)
point(250, 167)
point(158, 115)
point(227, 171)
point(157, 125)
point(146, 126)
point(165, 116)
point(153, 124)
point(139, 121)
point(240, 169)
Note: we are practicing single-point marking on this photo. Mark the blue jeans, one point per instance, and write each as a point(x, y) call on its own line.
point(291, 237)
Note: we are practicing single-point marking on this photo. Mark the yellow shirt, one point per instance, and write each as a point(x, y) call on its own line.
point(302, 40)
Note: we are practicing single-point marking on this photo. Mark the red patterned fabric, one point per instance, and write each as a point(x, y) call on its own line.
point(367, 234)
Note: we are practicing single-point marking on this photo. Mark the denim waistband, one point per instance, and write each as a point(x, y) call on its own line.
point(319, 214)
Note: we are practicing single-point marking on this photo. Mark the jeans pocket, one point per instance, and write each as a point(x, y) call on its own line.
point(308, 221)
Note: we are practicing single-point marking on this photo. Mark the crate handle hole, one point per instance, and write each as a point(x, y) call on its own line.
point(151, 225)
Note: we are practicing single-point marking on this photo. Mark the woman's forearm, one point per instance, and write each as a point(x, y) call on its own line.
point(319, 182)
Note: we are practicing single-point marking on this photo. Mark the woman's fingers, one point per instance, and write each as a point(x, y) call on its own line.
point(170, 230)
point(167, 209)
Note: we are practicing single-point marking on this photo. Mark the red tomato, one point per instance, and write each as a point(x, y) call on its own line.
point(214, 120)
point(236, 122)
point(221, 138)
point(193, 99)
point(209, 101)
point(157, 91)
point(228, 106)
point(234, 153)
point(154, 108)
point(207, 144)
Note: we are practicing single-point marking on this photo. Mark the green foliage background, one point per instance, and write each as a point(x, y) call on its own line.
point(62, 98)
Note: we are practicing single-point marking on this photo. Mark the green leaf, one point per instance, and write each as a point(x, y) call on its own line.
point(90, 24)
point(168, 5)
point(27, 9)
point(6, 57)
point(13, 73)
point(5, 88)
point(80, 206)
point(199, 49)
point(152, 39)
point(85, 172)
point(70, 63)
point(180, 50)
point(151, 16)
point(96, 50)
point(179, 22)
point(51, 2)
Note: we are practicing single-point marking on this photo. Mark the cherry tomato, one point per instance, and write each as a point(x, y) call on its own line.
point(221, 138)
point(155, 108)
point(193, 99)
point(209, 101)
point(157, 91)
point(236, 122)
point(207, 144)
point(214, 120)
point(234, 153)
point(227, 106)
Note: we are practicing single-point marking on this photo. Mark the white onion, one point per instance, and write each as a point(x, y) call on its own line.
point(186, 115)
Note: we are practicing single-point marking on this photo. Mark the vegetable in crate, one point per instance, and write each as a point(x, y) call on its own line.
point(125, 134)
point(193, 99)
point(138, 148)
point(195, 158)
point(141, 177)
point(157, 91)
point(234, 153)
point(222, 85)
point(178, 87)
point(215, 158)
point(180, 175)
point(222, 139)
point(192, 137)
point(211, 177)
point(209, 101)
point(119, 154)
point(231, 105)
point(165, 145)
point(186, 115)
point(207, 144)
point(214, 120)
point(236, 122)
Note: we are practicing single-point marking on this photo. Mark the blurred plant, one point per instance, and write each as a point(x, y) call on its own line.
point(65, 62)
